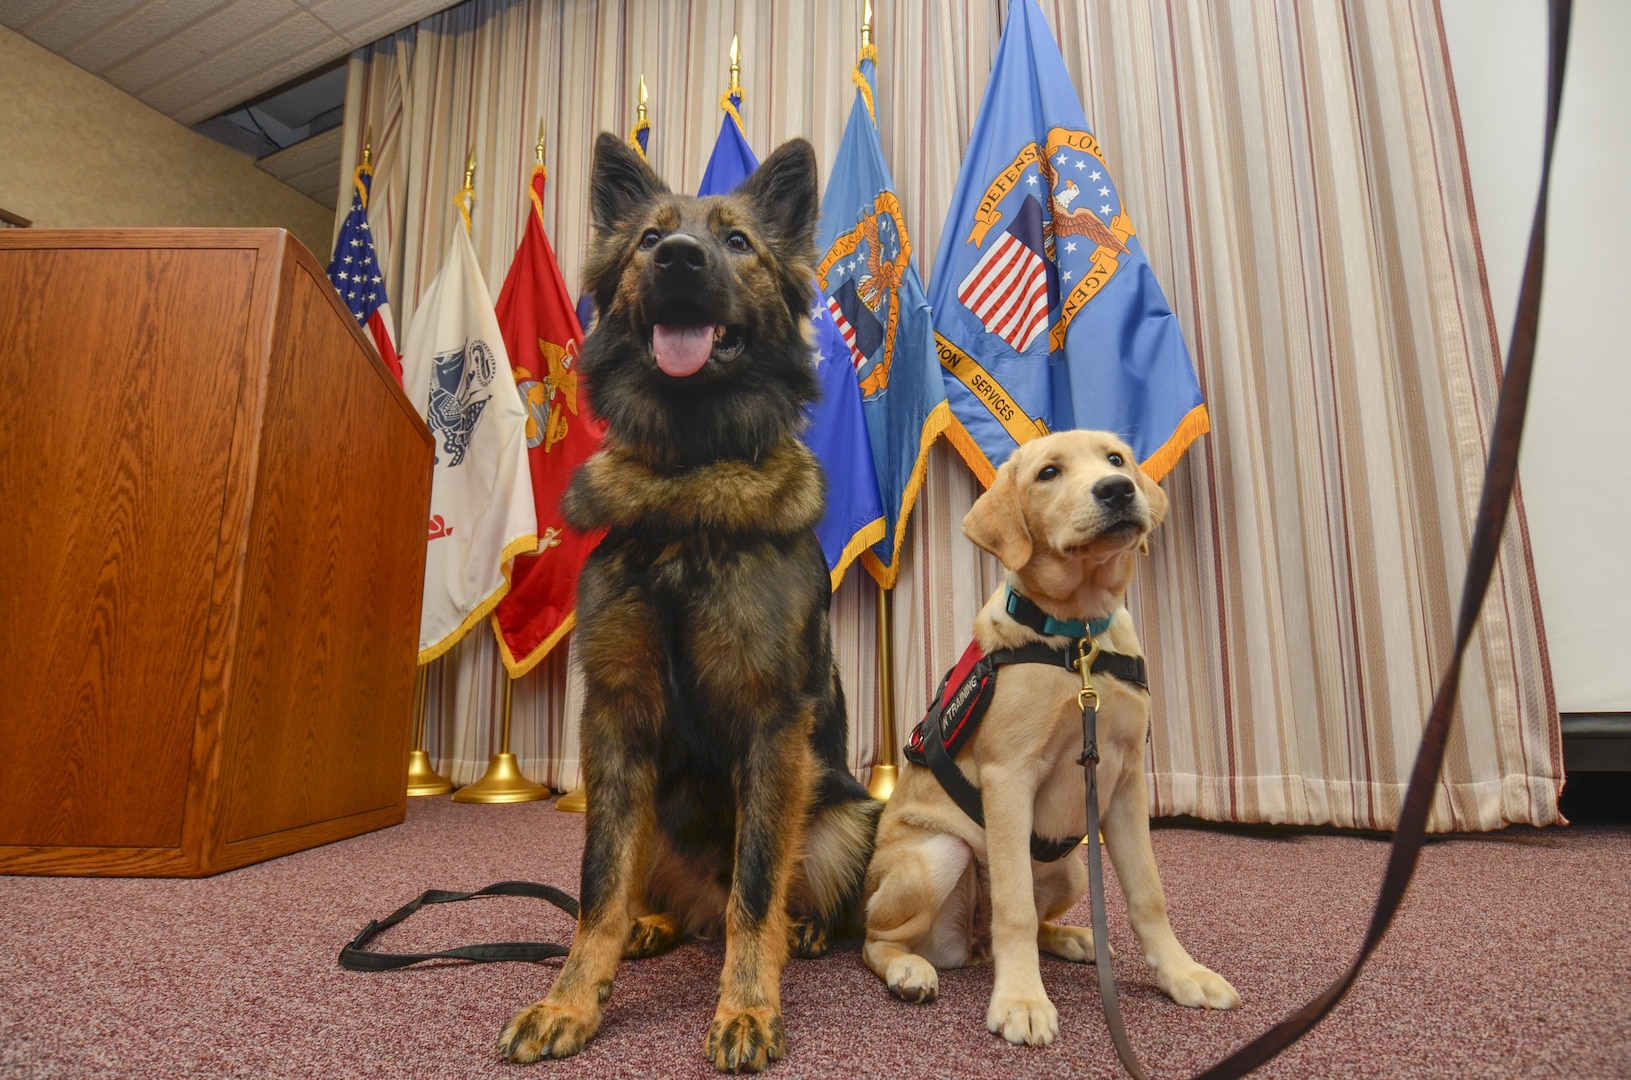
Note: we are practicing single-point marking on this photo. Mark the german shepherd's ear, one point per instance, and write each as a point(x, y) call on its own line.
point(783, 191)
point(619, 181)
point(996, 521)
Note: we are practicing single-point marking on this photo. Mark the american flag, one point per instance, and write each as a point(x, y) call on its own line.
point(860, 328)
point(356, 274)
point(1007, 290)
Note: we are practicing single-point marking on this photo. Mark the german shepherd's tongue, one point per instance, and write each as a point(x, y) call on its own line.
point(682, 350)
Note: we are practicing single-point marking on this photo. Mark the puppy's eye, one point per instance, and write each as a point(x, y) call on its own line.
point(649, 240)
point(737, 242)
point(1048, 472)
point(1116, 460)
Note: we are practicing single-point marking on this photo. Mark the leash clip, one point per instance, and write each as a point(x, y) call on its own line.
point(1087, 651)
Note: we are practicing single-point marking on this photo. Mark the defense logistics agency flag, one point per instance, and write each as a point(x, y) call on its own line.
point(876, 300)
point(456, 372)
point(541, 334)
point(837, 433)
point(355, 272)
point(1047, 315)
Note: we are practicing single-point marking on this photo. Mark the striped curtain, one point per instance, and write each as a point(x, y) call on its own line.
point(1297, 178)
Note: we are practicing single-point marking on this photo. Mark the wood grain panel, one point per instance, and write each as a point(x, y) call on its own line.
point(213, 543)
point(119, 375)
point(326, 649)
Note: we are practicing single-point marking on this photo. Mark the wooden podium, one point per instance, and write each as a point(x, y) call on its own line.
point(214, 499)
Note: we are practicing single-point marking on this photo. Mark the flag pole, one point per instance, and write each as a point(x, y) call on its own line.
point(503, 781)
point(884, 772)
point(423, 779)
point(574, 801)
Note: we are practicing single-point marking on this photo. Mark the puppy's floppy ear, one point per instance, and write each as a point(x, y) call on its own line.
point(1155, 497)
point(619, 182)
point(996, 521)
point(784, 191)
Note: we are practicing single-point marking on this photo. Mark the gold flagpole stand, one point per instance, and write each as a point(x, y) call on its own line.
point(573, 802)
point(423, 779)
point(884, 772)
point(502, 782)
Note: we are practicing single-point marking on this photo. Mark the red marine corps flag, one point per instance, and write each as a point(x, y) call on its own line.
point(541, 332)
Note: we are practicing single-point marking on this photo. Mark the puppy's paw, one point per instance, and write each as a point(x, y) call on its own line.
point(1023, 1020)
point(912, 978)
point(651, 935)
point(548, 1030)
point(807, 940)
point(1196, 987)
point(1074, 943)
point(746, 1041)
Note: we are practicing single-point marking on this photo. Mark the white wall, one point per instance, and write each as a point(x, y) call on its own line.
point(1576, 460)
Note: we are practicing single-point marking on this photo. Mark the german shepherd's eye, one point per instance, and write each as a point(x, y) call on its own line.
point(737, 242)
point(1116, 460)
point(649, 240)
point(1049, 472)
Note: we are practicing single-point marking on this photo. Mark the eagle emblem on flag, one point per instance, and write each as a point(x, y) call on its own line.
point(550, 398)
point(458, 393)
point(1052, 248)
point(861, 277)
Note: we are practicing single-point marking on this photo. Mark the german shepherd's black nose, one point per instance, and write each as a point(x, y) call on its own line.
point(1116, 492)
point(679, 253)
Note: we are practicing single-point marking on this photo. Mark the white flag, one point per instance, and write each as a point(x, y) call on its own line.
point(457, 374)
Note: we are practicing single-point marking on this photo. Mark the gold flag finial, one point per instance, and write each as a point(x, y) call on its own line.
point(368, 149)
point(866, 24)
point(642, 111)
point(736, 65)
point(465, 200)
point(539, 149)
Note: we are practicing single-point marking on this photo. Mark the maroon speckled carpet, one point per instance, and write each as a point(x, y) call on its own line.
point(1511, 957)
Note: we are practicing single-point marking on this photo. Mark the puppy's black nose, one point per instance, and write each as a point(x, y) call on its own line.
point(679, 252)
point(1116, 492)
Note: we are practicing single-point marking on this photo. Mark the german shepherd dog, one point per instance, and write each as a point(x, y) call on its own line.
point(714, 733)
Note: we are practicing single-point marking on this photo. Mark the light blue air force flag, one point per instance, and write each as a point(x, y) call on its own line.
point(1047, 315)
point(870, 281)
point(837, 433)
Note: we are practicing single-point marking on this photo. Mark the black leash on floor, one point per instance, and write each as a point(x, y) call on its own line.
point(1499, 478)
point(354, 958)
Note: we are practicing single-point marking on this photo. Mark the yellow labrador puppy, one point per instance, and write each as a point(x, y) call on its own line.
point(1067, 515)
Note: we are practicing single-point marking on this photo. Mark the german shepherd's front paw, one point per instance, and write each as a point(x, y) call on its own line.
point(1032, 1021)
point(807, 940)
point(651, 935)
point(746, 1041)
point(548, 1030)
point(1197, 987)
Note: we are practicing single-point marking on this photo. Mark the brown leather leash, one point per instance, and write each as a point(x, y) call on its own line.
point(1500, 476)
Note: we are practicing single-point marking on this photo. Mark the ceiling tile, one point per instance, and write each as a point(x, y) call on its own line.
point(311, 167)
point(221, 33)
point(362, 21)
point(74, 21)
point(117, 40)
point(17, 14)
point(276, 55)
